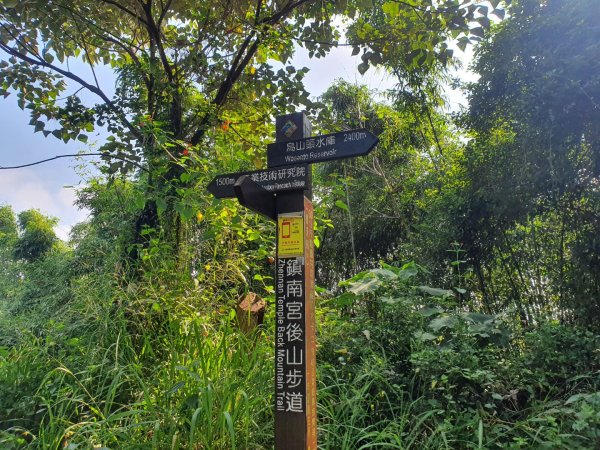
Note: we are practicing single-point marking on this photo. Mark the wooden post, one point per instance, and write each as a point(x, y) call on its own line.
point(295, 340)
point(282, 193)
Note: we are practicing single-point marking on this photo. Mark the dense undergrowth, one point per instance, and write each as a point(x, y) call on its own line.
point(125, 337)
point(400, 365)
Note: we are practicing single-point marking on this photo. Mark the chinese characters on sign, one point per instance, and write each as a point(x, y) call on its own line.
point(312, 143)
point(274, 180)
point(280, 175)
point(295, 364)
point(290, 363)
point(326, 147)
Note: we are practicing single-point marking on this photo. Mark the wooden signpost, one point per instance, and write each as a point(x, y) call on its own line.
point(282, 193)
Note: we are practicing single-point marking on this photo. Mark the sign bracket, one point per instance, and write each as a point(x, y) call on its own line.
point(253, 196)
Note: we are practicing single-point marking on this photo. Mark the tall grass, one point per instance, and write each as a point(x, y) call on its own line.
point(214, 389)
point(134, 374)
point(368, 411)
point(210, 390)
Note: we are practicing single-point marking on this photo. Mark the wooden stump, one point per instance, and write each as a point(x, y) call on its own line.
point(250, 312)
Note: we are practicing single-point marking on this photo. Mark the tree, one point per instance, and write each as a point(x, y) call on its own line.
point(8, 267)
point(8, 225)
point(379, 202)
point(185, 66)
point(531, 209)
point(37, 235)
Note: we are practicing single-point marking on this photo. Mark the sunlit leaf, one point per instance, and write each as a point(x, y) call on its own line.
point(435, 292)
point(446, 321)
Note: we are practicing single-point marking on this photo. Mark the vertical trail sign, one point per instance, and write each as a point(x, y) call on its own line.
point(295, 358)
point(282, 193)
point(295, 351)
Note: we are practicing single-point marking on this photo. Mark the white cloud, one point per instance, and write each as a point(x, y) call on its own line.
point(339, 63)
point(28, 188)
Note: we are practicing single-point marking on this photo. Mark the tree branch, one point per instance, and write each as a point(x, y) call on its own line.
point(109, 37)
point(85, 49)
point(103, 34)
point(155, 36)
point(284, 12)
point(234, 72)
point(126, 10)
point(77, 79)
point(257, 13)
point(243, 57)
point(163, 13)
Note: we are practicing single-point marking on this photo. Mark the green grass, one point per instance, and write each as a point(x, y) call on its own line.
point(100, 379)
point(211, 390)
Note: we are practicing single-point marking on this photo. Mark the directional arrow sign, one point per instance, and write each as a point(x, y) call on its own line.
point(288, 178)
point(251, 195)
point(327, 147)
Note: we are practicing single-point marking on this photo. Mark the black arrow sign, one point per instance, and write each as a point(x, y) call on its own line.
point(288, 178)
point(345, 144)
point(253, 196)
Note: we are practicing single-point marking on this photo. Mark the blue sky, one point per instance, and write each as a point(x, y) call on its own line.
point(43, 186)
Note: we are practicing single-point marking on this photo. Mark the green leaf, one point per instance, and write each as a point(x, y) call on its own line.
point(346, 299)
point(404, 273)
point(463, 42)
point(391, 8)
point(435, 292)
point(230, 427)
point(477, 317)
point(138, 200)
point(443, 322)
point(365, 285)
point(390, 300)
point(484, 21)
point(363, 67)
point(424, 336)
point(483, 10)
point(175, 388)
point(477, 31)
point(147, 231)
point(185, 211)
point(457, 263)
point(161, 205)
point(429, 311)
point(384, 274)
point(359, 276)
point(342, 205)
point(574, 398)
